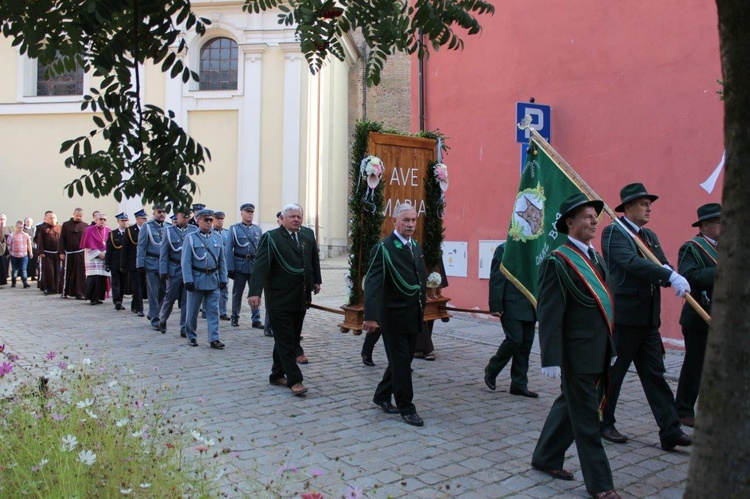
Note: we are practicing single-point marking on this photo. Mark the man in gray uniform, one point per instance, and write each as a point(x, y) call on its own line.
point(241, 246)
point(224, 233)
point(150, 239)
point(204, 272)
point(170, 269)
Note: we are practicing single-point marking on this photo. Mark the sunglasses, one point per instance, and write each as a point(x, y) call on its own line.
point(207, 219)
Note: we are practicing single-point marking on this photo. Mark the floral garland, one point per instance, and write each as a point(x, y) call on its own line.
point(366, 204)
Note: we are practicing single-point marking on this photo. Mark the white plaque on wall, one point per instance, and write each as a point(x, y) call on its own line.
point(486, 250)
point(455, 258)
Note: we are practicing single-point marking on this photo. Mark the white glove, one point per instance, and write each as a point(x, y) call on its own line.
point(551, 372)
point(680, 284)
point(666, 266)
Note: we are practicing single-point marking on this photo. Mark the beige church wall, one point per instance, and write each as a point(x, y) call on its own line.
point(153, 83)
point(33, 172)
point(218, 131)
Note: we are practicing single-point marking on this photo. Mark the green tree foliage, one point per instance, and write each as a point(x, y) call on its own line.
point(146, 152)
point(388, 26)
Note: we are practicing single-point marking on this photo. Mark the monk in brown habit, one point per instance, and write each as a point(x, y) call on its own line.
point(47, 239)
point(71, 255)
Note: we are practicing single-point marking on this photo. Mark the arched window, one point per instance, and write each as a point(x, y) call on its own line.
point(68, 83)
point(218, 69)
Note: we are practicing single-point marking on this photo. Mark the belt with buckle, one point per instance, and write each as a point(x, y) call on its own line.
point(207, 271)
point(246, 257)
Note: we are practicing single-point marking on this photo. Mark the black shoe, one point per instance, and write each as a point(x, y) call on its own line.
point(193, 342)
point(118, 306)
point(26, 286)
point(163, 327)
point(217, 345)
point(681, 440)
point(413, 419)
point(613, 436)
point(268, 332)
point(46, 292)
point(258, 325)
point(183, 334)
point(368, 362)
point(488, 380)
point(387, 407)
point(224, 317)
point(235, 322)
point(13, 284)
point(139, 314)
point(524, 392)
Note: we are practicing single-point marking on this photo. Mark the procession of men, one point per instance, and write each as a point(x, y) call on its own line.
point(594, 319)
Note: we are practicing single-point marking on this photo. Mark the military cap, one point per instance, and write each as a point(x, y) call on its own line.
point(121, 216)
point(247, 207)
point(198, 206)
point(140, 214)
point(204, 213)
point(173, 217)
point(219, 214)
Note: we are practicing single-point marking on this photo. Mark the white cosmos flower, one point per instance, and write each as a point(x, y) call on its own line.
point(196, 435)
point(68, 443)
point(43, 462)
point(87, 457)
point(122, 422)
point(54, 374)
point(91, 414)
point(125, 491)
point(85, 403)
point(86, 362)
point(112, 383)
point(144, 485)
point(209, 442)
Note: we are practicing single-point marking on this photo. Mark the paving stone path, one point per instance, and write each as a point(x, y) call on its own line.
point(475, 443)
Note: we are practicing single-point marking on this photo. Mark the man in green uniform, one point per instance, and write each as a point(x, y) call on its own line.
point(697, 262)
point(575, 327)
point(518, 318)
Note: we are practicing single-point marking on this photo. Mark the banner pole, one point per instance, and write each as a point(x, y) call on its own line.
point(578, 180)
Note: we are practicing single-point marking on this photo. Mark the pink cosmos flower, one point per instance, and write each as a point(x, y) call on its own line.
point(51, 355)
point(312, 495)
point(5, 368)
point(58, 417)
point(316, 473)
point(63, 365)
point(13, 357)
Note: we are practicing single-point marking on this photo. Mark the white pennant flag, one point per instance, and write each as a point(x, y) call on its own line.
point(710, 182)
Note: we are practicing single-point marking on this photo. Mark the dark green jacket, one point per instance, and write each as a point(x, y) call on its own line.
point(395, 286)
point(285, 273)
point(634, 280)
point(505, 296)
point(572, 335)
point(695, 266)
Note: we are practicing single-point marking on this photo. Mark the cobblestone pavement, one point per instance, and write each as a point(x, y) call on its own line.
point(475, 443)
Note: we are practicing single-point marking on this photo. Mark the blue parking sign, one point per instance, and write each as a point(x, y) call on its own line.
point(541, 120)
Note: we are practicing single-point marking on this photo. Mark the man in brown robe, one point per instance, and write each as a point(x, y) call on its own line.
point(47, 239)
point(71, 254)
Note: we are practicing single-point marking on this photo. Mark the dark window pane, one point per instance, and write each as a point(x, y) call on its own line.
point(218, 68)
point(67, 83)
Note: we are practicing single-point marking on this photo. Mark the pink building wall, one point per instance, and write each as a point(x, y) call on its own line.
point(632, 87)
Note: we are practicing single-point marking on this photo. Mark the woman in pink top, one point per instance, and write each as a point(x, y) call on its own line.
point(21, 249)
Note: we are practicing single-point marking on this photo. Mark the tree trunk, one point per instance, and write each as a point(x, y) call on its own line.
point(720, 460)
